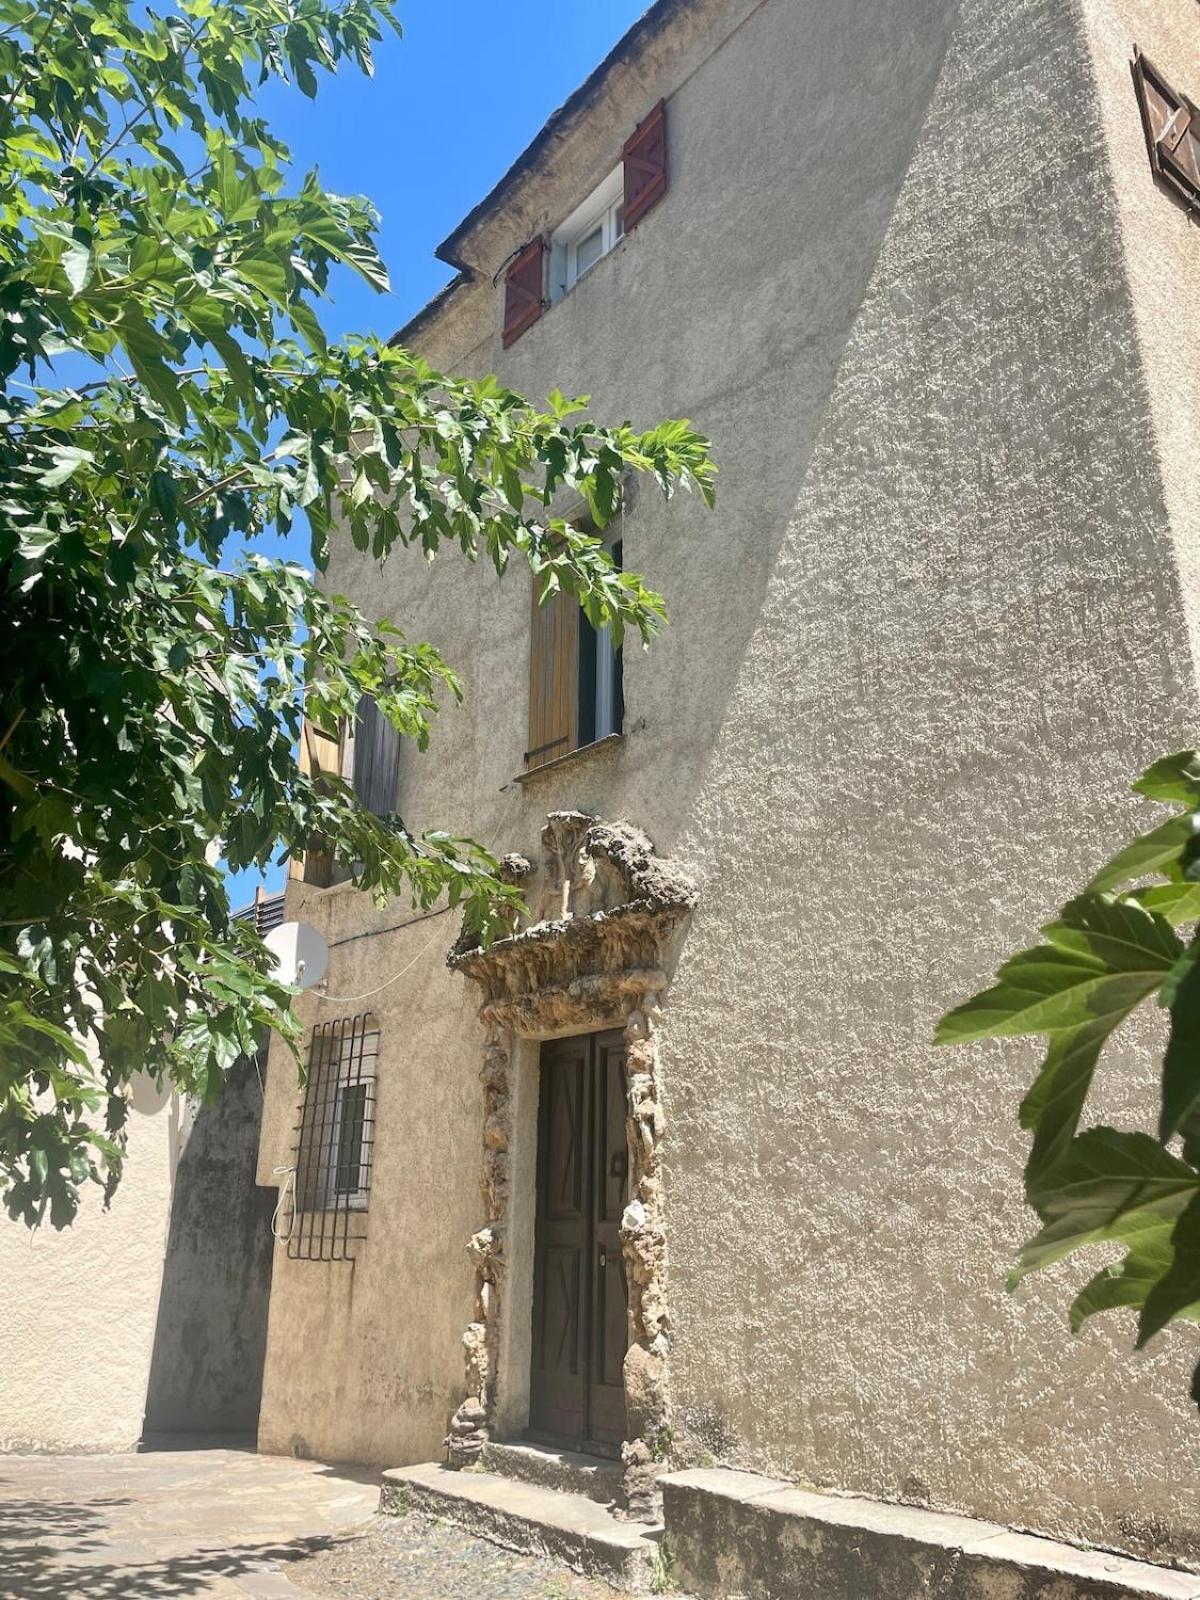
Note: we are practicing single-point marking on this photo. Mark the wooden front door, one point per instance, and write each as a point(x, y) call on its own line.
point(580, 1318)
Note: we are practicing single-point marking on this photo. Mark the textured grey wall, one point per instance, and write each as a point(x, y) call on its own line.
point(971, 640)
point(917, 655)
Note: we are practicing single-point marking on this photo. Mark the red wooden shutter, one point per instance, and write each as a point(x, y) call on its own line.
point(646, 166)
point(553, 679)
point(1172, 127)
point(523, 291)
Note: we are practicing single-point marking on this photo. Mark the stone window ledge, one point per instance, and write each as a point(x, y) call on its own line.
point(611, 741)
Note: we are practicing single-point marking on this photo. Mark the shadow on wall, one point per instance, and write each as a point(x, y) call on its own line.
point(210, 1338)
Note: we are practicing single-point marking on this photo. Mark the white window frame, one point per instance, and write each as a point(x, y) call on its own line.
point(355, 1199)
point(603, 208)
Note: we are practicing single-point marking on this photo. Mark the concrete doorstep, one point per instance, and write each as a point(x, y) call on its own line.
point(529, 1517)
point(566, 1471)
point(735, 1534)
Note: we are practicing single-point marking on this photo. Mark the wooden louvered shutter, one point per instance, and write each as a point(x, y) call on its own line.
point(318, 753)
point(1172, 127)
point(523, 285)
point(376, 758)
point(646, 166)
point(553, 679)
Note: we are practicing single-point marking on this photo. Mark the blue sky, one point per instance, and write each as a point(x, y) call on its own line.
point(451, 106)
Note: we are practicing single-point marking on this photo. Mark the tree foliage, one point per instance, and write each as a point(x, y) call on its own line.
point(1121, 942)
point(168, 396)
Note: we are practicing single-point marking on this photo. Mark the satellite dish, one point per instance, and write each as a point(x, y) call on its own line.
point(301, 955)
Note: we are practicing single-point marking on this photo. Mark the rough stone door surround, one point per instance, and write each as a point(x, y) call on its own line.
point(604, 916)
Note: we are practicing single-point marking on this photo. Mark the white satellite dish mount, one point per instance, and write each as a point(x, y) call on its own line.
point(301, 955)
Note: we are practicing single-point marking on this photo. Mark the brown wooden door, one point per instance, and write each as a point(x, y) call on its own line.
point(580, 1328)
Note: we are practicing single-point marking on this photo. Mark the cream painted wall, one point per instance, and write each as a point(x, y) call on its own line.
point(906, 275)
point(364, 1360)
point(1162, 262)
point(78, 1308)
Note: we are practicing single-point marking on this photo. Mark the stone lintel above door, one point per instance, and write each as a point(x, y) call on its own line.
point(602, 913)
point(592, 950)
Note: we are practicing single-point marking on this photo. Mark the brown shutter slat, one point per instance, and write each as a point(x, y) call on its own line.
point(646, 166)
point(318, 753)
point(376, 758)
point(553, 679)
point(523, 289)
point(1172, 127)
point(1176, 128)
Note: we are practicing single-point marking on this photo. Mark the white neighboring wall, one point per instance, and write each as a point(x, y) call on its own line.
point(78, 1308)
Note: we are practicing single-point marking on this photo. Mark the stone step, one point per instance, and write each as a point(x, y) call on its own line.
point(522, 1516)
point(567, 1471)
point(738, 1533)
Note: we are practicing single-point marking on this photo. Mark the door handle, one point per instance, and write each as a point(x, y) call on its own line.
point(619, 1165)
point(604, 1258)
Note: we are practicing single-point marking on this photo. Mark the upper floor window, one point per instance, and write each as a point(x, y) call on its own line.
point(1171, 123)
point(592, 229)
point(575, 680)
point(367, 754)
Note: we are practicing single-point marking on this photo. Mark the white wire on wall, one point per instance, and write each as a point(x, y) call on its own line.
point(368, 994)
point(352, 999)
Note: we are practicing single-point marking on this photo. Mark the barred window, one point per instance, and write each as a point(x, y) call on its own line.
point(334, 1140)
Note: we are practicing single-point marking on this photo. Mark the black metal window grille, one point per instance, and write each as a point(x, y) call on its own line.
point(334, 1141)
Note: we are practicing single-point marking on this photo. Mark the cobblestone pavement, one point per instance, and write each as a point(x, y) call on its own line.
point(228, 1524)
point(419, 1558)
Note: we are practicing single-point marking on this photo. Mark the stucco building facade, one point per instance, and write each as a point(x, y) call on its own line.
point(911, 271)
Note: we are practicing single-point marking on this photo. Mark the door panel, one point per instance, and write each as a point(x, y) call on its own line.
point(613, 1333)
point(558, 1392)
point(566, 1142)
point(610, 1323)
point(580, 1317)
point(560, 1315)
point(614, 1146)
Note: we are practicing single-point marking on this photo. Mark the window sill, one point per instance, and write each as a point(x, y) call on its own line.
point(564, 291)
point(611, 741)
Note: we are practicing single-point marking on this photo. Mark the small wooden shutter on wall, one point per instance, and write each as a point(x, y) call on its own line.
point(318, 753)
point(646, 165)
point(553, 679)
point(376, 758)
point(1172, 127)
point(523, 284)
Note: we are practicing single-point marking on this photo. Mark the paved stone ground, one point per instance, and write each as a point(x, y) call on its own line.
point(418, 1558)
point(228, 1524)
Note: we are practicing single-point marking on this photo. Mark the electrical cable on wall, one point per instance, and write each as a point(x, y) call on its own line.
point(288, 1174)
point(353, 999)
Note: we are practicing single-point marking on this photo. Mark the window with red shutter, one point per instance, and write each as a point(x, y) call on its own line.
point(523, 289)
point(593, 229)
point(1172, 127)
point(646, 166)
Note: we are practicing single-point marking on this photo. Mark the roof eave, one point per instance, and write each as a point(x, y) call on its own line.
point(628, 46)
